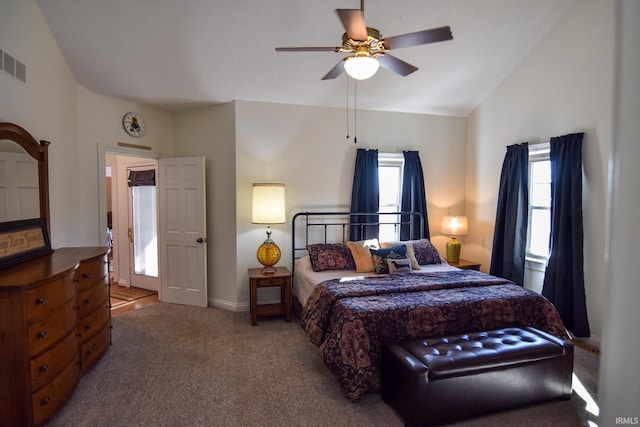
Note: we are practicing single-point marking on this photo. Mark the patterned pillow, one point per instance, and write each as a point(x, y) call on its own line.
point(425, 252)
point(330, 256)
point(400, 265)
point(380, 257)
point(410, 253)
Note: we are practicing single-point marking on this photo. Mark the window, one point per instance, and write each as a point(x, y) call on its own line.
point(539, 227)
point(390, 179)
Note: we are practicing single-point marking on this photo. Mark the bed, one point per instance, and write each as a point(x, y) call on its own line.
point(349, 312)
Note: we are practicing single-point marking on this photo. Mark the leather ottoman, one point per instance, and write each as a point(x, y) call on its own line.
point(439, 380)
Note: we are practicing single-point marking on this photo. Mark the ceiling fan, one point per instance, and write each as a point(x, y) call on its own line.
point(369, 48)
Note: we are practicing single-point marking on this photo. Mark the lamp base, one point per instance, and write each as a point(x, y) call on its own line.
point(453, 250)
point(268, 270)
point(268, 254)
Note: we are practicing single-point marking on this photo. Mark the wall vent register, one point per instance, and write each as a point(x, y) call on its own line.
point(12, 67)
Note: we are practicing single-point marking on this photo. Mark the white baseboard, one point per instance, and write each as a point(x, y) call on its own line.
point(232, 306)
point(228, 305)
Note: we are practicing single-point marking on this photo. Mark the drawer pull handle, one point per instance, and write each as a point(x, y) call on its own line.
point(42, 335)
point(86, 275)
point(87, 301)
point(90, 352)
point(44, 368)
point(41, 301)
point(45, 401)
point(76, 307)
point(89, 326)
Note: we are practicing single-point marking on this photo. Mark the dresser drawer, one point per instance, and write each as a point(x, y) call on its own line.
point(48, 331)
point(52, 396)
point(93, 349)
point(89, 272)
point(91, 324)
point(93, 298)
point(49, 365)
point(42, 300)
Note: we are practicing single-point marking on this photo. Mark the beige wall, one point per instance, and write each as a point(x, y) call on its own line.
point(306, 149)
point(210, 132)
point(46, 105)
point(52, 106)
point(564, 85)
point(99, 129)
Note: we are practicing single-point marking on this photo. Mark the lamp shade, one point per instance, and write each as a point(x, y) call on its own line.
point(361, 67)
point(268, 204)
point(454, 225)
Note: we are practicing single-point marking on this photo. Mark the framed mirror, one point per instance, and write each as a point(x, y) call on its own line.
point(24, 176)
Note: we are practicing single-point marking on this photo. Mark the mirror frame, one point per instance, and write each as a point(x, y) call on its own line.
point(40, 152)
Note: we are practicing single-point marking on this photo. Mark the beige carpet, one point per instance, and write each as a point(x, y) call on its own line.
point(172, 365)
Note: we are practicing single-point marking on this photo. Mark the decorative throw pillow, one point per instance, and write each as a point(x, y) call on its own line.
point(361, 254)
point(380, 257)
point(410, 252)
point(425, 252)
point(330, 256)
point(400, 265)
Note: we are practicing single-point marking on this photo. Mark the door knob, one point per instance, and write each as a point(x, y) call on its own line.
point(201, 240)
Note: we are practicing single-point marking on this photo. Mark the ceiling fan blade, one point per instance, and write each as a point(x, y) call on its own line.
point(307, 49)
point(335, 71)
point(353, 22)
point(396, 65)
point(420, 37)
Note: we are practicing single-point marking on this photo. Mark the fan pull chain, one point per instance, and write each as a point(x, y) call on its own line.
point(347, 109)
point(355, 111)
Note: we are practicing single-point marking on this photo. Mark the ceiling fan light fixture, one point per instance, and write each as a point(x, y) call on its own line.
point(361, 67)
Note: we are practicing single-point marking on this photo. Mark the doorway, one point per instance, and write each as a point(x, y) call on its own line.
point(132, 225)
point(181, 213)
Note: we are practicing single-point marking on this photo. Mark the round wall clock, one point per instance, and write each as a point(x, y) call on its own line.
point(133, 124)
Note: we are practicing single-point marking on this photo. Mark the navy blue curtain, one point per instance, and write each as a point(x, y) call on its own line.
point(413, 197)
point(365, 196)
point(564, 276)
point(510, 232)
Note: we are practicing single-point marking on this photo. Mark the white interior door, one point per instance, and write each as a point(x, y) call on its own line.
point(183, 241)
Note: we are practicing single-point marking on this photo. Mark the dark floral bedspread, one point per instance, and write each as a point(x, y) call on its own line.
point(350, 320)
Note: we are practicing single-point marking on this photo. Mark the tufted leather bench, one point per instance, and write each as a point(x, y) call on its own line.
point(438, 380)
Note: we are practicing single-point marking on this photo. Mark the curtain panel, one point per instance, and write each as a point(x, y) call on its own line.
point(413, 197)
point(564, 277)
point(512, 215)
point(365, 196)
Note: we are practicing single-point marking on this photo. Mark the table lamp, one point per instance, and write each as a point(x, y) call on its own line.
point(268, 208)
point(454, 226)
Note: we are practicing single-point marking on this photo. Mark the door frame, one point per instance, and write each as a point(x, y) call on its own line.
point(103, 150)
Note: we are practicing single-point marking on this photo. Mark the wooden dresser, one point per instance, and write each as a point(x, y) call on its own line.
point(55, 323)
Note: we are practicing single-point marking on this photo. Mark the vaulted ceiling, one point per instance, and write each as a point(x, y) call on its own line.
point(177, 54)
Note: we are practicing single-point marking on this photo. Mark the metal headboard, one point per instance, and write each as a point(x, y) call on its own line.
point(334, 227)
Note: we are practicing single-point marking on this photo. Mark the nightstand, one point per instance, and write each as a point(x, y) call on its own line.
point(465, 264)
point(281, 278)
